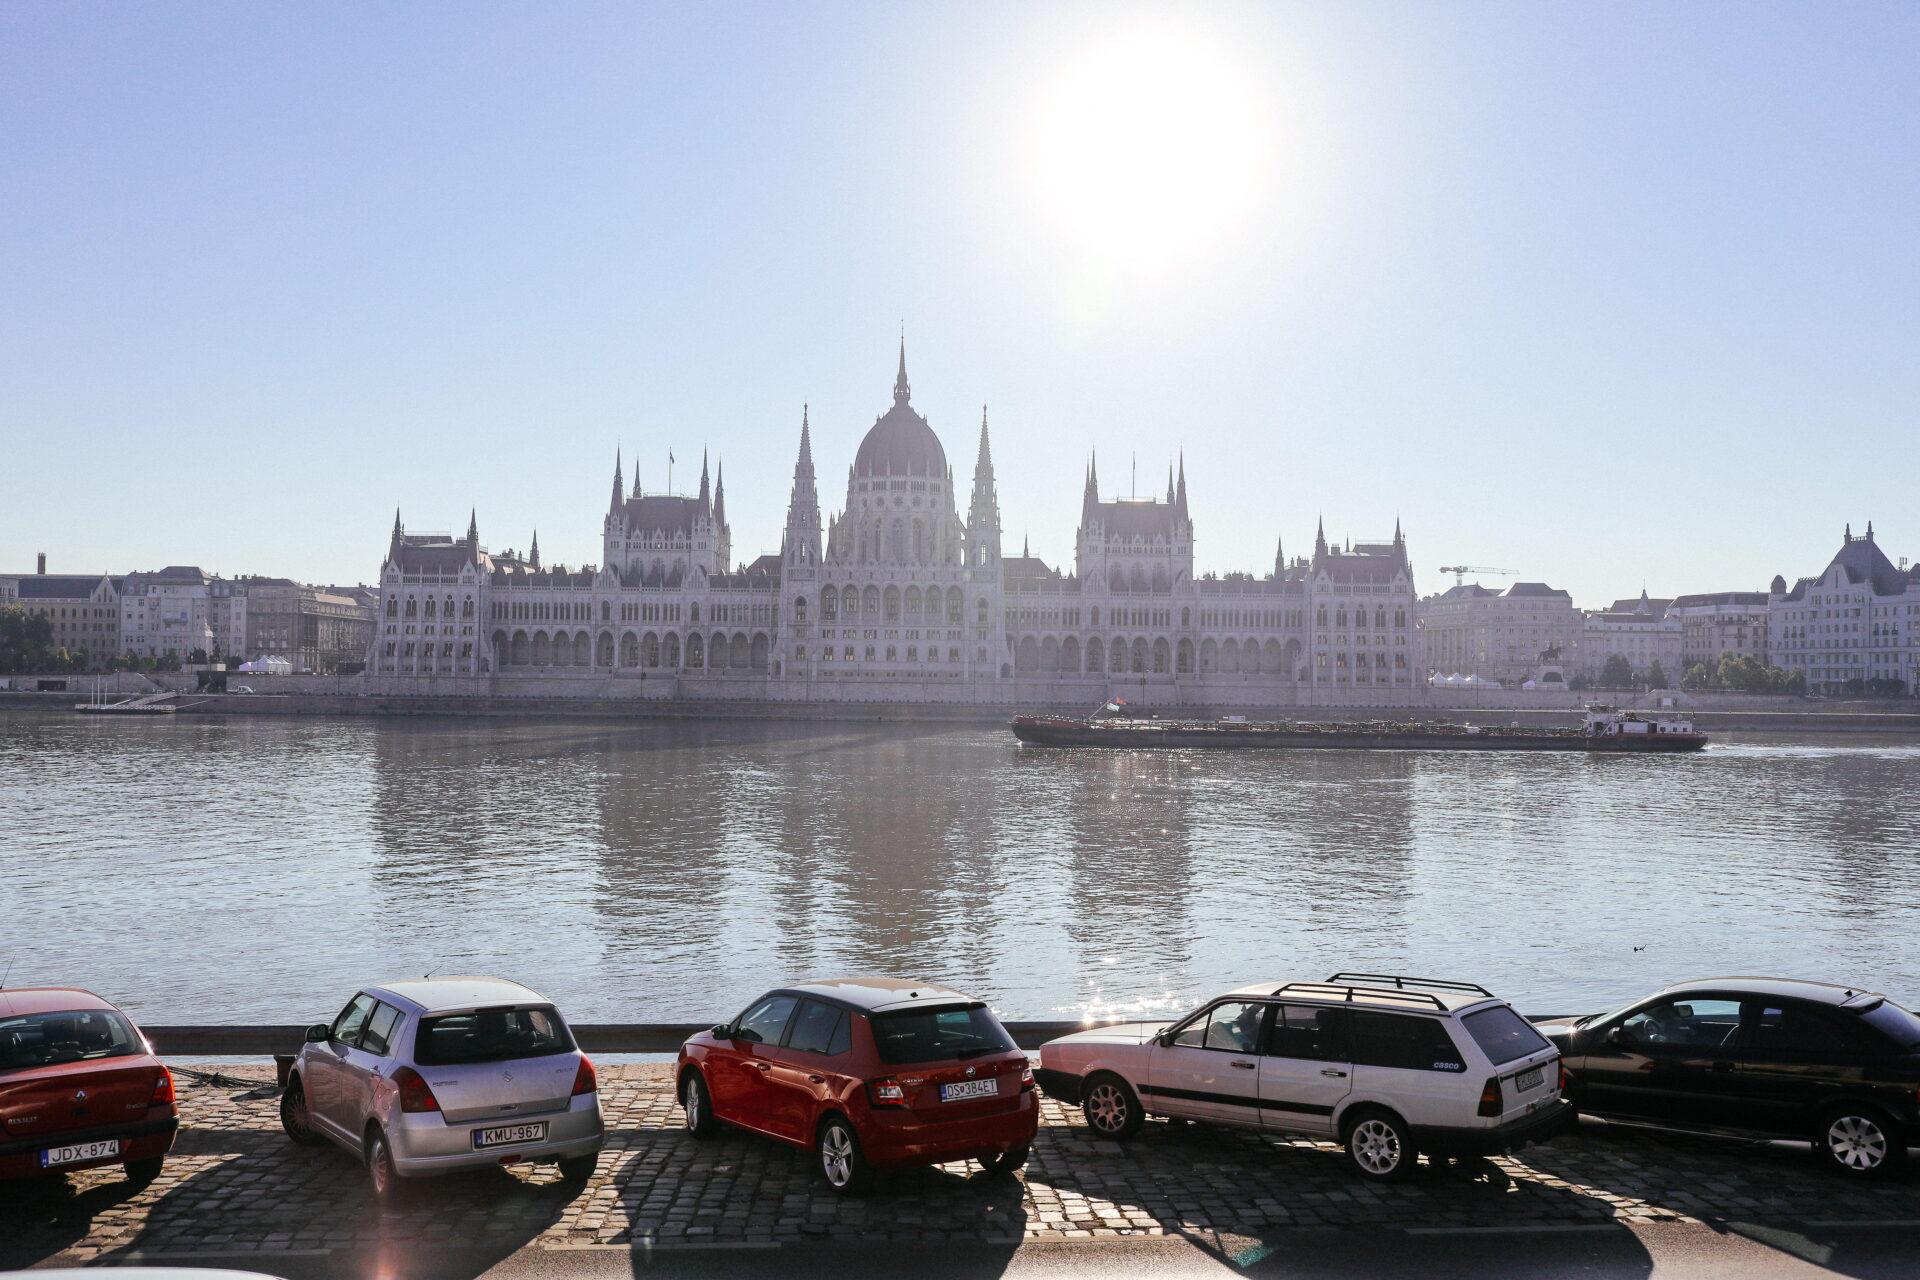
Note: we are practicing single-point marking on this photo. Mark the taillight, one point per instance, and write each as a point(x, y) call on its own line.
point(886, 1093)
point(163, 1095)
point(584, 1080)
point(1490, 1098)
point(415, 1095)
point(1564, 1077)
point(1026, 1077)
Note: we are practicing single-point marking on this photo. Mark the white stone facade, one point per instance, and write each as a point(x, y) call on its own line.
point(898, 598)
point(1858, 621)
point(1641, 631)
point(1471, 630)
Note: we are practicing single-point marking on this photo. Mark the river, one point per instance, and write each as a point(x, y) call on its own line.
point(242, 869)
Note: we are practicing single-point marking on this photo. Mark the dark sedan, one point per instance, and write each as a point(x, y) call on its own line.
point(1759, 1058)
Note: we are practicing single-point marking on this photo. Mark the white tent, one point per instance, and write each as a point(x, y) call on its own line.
point(267, 666)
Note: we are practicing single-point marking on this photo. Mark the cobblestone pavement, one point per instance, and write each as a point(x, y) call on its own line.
point(235, 1184)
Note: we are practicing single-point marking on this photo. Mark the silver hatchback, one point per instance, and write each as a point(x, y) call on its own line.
point(424, 1077)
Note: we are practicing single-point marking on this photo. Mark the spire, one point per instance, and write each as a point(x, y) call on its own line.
point(706, 490)
point(473, 526)
point(900, 388)
point(393, 546)
point(533, 554)
point(1279, 557)
point(1397, 538)
point(396, 524)
point(982, 539)
point(985, 461)
point(1869, 531)
point(1169, 484)
point(720, 493)
point(1846, 537)
point(1090, 497)
point(1320, 538)
point(618, 489)
point(1026, 551)
point(801, 540)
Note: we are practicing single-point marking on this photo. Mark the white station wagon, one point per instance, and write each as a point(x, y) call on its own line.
point(1388, 1065)
point(425, 1077)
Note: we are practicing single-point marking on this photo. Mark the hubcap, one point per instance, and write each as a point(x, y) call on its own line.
point(1376, 1146)
point(1857, 1142)
point(296, 1111)
point(836, 1156)
point(1107, 1108)
point(378, 1166)
point(693, 1105)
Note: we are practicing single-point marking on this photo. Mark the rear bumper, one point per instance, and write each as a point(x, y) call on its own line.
point(1541, 1126)
point(424, 1144)
point(139, 1140)
point(889, 1137)
point(1062, 1086)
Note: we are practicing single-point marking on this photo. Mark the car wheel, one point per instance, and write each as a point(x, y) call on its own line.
point(1860, 1141)
point(142, 1172)
point(841, 1163)
point(382, 1178)
point(1111, 1107)
point(697, 1103)
point(578, 1169)
point(1007, 1162)
point(1380, 1146)
point(293, 1114)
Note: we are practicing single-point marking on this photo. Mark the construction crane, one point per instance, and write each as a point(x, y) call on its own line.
point(1460, 571)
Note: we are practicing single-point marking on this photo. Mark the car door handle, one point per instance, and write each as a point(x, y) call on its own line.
point(818, 1079)
point(763, 1066)
point(1329, 1071)
point(1243, 1066)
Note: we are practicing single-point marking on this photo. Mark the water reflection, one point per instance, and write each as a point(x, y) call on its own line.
point(257, 869)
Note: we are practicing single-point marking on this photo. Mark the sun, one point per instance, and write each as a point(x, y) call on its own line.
point(1148, 147)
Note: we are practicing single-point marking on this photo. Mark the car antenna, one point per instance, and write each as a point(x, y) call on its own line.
point(8, 973)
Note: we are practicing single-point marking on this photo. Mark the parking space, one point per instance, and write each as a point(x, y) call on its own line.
point(234, 1185)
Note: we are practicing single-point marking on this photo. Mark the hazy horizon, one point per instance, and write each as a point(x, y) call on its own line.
point(1609, 297)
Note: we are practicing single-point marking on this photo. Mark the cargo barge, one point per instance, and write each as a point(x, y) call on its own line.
point(1603, 730)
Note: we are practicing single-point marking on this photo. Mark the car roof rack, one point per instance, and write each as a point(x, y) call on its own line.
point(1349, 993)
point(1400, 981)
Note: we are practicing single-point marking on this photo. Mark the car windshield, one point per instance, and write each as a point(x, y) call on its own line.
point(1503, 1035)
point(490, 1035)
point(40, 1039)
point(939, 1034)
point(1896, 1023)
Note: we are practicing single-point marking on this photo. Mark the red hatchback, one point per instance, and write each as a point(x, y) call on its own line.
point(79, 1088)
point(868, 1073)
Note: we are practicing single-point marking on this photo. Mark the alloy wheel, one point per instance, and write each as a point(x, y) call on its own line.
point(693, 1104)
point(1857, 1143)
point(1376, 1146)
point(1107, 1108)
point(836, 1155)
point(379, 1169)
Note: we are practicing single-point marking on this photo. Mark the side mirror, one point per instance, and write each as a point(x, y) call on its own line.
point(318, 1033)
point(1164, 1038)
point(1620, 1036)
point(722, 1032)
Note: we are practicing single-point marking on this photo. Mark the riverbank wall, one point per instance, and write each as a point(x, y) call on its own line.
point(1711, 712)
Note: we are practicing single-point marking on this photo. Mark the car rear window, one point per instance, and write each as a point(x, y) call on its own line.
point(939, 1035)
point(490, 1035)
point(1895, 1023)
point(38, 1039)
point(1504, 1035)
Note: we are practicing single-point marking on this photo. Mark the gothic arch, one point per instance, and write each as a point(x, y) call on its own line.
point(542, 649)
point(1026, 656)
point(1270, 658)
point(672, 652)
point(603, 657)
point(650, 649)
point(1162, 657)
point(1139, 655)
point(1049, 654)
point(1209, 656)
point(1230, 656)
point(520, 654)
point(758, 650)
point(1070, 654)
point(1183, 657)
point(1096, 655)
point(696, 651)
point(629, 650)
point(739, 651)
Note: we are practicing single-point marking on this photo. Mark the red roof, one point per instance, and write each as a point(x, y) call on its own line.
point(19, 1000)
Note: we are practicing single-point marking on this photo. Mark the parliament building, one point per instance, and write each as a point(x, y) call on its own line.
point(902, 596)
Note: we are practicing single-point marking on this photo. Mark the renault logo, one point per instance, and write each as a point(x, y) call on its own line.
point(79, 1095)
point(506, 1075)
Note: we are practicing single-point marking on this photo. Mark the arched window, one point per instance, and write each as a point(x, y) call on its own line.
point(1184, 658)
point(413, 606)
point(1096, 656)
point(393, 606)
point(799, 608)
point(829, 604)
point(913, 602)
point(893, 604)
point(694, 616)
point(1186, 617)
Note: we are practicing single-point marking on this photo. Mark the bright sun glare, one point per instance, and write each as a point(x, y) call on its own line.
point(1148, 147)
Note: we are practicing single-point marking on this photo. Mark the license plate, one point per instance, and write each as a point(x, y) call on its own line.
point(1527, 1080)
point(969, 1089)
point(508, 1135)
point(79, 1151)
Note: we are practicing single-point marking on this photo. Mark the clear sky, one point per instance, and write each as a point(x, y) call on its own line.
point(1609, 295)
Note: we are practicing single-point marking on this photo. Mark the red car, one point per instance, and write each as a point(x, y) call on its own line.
point(867, 1073)
point(79, 1088)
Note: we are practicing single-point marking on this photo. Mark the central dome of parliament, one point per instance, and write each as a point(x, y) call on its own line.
point(900, 443)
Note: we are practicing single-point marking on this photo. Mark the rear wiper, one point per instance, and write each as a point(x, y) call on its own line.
point(976, 1051)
